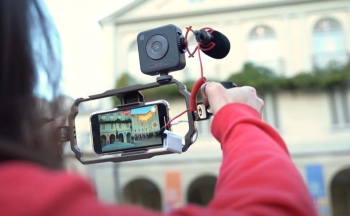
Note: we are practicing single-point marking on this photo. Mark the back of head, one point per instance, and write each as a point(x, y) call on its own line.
point(26, 53)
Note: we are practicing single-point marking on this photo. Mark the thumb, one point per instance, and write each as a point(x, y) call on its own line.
point(215, 95)
point(204, 94)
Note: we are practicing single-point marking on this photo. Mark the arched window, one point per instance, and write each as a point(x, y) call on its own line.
point(262, 49)
point(201, 190)
point(340, 192)
point(328, 43)
point(262, 32)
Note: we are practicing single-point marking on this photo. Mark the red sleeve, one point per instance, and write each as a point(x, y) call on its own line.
point(28, 189)
point(257, 175)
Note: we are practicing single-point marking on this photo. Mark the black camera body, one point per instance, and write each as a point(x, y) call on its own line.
point(161, 50)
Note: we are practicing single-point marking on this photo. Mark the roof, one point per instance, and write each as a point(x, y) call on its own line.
point(121, 11)
point(141, 110)
point(168, 13)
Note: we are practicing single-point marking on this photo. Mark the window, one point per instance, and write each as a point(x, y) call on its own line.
point(263, 49)
point(270, 111)
point(262, 32)
point(339, 100)
point(329, 44)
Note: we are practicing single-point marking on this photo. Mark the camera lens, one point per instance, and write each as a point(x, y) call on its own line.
point(157, 47)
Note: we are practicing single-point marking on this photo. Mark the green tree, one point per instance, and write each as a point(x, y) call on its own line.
point(264, 79)
point(259, 77)
point(256, 76)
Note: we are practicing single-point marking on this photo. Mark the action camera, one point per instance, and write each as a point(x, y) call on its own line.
point(161, 50)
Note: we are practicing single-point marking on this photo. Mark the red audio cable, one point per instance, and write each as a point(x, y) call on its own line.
point(196, 86)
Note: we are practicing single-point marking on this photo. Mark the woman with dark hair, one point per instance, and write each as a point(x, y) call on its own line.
point(27, 53)
point(257, 176)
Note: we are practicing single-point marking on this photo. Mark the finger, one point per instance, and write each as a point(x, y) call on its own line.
point(217, 96)
point(215, 91)
point(204, 94)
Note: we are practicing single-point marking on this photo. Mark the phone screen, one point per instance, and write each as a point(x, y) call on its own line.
point(128, 129)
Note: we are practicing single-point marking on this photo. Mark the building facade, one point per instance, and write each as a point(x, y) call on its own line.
point(286, 36)
point(115, 128)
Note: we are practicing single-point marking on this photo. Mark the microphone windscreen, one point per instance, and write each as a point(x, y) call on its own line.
point(221, 48)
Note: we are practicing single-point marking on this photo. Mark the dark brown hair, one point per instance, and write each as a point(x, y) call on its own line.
point(29, 48)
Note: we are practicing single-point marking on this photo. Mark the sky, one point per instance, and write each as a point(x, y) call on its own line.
point(81, 38)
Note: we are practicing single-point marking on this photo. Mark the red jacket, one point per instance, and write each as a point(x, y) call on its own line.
point(257, 177)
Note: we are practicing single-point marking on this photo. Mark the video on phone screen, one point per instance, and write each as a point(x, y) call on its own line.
point(132, 128)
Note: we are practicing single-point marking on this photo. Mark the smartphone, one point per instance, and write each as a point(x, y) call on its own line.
point(129, 129)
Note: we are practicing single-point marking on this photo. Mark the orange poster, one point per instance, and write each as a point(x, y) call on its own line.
point(173, 192)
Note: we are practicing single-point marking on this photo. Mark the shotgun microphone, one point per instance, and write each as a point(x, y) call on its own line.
point(222, 44)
